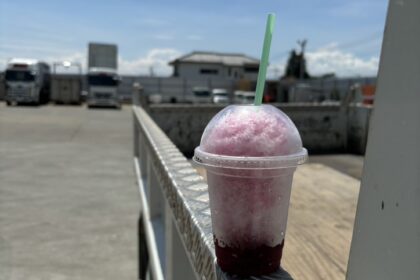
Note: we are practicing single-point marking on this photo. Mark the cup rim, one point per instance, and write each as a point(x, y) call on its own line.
point(210, 160)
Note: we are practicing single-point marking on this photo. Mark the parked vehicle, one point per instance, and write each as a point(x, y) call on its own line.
point(155, 98)
point(238, 96)
point(27, 81)
point(244, 97)
point(201, 95)
point(66, 88)
point(102, 78)
point(248, 97)
point(220, 96)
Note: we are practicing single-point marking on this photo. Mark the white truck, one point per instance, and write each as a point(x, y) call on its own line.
point(102, 76)
point(27, 81)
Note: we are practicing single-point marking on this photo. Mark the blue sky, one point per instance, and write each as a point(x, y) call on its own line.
point(343, 36)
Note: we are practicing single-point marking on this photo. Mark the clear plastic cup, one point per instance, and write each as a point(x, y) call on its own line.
point(250, 193)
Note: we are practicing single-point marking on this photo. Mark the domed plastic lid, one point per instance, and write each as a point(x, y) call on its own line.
point(248, 136)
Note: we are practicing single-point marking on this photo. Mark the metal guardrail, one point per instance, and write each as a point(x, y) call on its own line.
point(175, 234)
point(175, 218)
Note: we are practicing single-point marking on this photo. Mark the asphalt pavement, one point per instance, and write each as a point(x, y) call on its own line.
point(68, 200)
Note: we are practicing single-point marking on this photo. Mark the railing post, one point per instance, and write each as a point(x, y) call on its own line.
point(136, 93)
point(143, 157)
point(169, 261)
point(142, 249)
point(154, 194)
point(139, 98)
point(178, 265)
point(135, 136)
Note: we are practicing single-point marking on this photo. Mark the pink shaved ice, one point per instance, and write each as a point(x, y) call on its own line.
point(254, 131)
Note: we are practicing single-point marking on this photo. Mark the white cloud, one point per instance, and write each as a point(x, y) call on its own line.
point(332, 59)
point(77, 57)
point(156, 58)
point(276, 69)
point(57, 56)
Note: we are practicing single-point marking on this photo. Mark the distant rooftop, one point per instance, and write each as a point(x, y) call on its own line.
point(229, 59)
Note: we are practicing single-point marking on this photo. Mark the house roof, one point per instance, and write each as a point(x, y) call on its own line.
point(229, 59)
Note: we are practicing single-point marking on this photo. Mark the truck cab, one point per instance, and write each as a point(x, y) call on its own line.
point(27, 81)
point(103, 87)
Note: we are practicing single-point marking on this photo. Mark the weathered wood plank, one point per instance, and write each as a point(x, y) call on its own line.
point(320, 225)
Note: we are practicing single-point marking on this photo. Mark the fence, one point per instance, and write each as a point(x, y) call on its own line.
point(180, 90)
point(172, 89)
point(322, 89)
point(175, 234)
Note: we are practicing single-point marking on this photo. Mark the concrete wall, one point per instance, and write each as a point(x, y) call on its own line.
point(180, 89)
point(324, 128)
point(172, 89)
point(358, 127)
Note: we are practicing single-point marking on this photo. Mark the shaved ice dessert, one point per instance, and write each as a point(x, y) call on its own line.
point(250, 154)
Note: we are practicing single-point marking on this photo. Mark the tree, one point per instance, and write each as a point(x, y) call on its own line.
point(294, 65)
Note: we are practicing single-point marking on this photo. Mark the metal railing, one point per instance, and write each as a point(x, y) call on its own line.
point(175, 234)
point(174, 222)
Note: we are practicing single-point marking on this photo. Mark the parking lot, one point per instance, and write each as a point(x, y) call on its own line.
point(68, 200)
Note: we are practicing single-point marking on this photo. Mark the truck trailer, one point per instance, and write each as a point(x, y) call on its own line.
point(102, 76)
point(66, 88)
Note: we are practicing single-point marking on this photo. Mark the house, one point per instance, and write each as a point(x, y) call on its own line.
point(200, 64)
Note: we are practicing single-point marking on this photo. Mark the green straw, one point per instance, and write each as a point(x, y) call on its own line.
point(264, 59)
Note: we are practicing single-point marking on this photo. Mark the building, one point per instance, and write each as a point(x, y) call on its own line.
point(199, 64)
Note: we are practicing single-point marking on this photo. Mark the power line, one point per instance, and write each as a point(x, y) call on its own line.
point(346, 45)
point(361, 41)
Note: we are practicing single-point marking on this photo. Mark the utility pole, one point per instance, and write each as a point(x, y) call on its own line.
point(151, 71)
point(302, 44)
point(276, 72)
